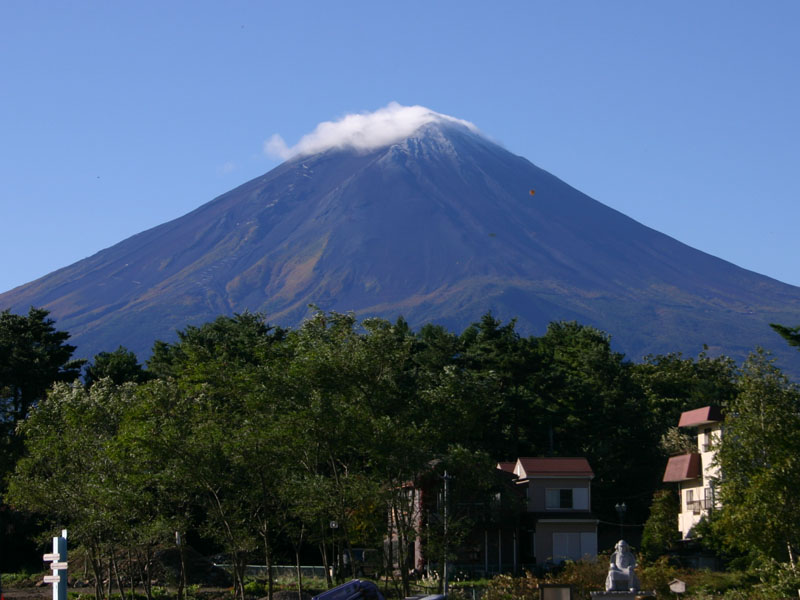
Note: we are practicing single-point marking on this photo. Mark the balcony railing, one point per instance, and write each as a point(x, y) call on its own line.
point(697, 506)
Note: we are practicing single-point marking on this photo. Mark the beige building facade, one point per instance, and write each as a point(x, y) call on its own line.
point(695, 472)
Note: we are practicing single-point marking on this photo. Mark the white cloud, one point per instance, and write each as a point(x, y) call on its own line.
point(363, 131)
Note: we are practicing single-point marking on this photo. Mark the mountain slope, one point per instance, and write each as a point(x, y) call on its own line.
point(441, 227)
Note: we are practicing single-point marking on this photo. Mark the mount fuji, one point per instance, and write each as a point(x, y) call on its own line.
point(431, 221)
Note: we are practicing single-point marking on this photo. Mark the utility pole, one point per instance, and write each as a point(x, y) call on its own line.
point(621, 509)
point(447, 479)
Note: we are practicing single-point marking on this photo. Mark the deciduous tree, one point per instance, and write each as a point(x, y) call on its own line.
point(759, 458)
point(661, 528)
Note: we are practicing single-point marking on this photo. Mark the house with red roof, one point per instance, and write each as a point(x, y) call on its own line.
point(695, 472)
point(558, 523)
point(539, 515)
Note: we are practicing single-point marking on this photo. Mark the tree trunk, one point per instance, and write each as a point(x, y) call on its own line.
point(268, 562)
point(238, 568)
point(97, 569)
point(130, 573)
point(238, 572)
point(389, 557)
point(182, 555)
point(299, 573)
point(115, 566)
point(144, 573)
point(110, 585)
point(325, 563)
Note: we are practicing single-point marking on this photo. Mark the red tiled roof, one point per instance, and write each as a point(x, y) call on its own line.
point(700, 416)
point(682, 468)
point(556, 467)
point(506, 466)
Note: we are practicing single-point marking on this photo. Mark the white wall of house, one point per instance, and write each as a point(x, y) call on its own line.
point(698, 496)
point(559, 494)
point(558, 491)
point(557, 540)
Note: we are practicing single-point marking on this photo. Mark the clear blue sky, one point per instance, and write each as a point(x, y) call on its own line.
point(118, 116)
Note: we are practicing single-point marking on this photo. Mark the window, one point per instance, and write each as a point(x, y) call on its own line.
point(558, 498)
point(708, 497)
point(567, 498)
point(707, 444)
point(574, 545)
point(692, 504)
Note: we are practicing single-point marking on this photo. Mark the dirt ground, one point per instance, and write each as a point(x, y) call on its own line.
point(46, 591)
point(28, 593)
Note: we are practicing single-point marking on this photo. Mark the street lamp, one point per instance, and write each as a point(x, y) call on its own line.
point(621, 508)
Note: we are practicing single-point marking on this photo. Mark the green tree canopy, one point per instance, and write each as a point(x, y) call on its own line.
point(33, 356)
point(790, 334)
point(661, 528)
point(67, 472)
point(121, 366)
point(759, 458)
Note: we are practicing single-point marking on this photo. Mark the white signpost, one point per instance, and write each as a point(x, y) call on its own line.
point(58, 562)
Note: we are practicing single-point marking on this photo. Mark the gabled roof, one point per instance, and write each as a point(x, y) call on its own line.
point(700, 416)
point(507, 466)
point(528, 467)
point(682, 468)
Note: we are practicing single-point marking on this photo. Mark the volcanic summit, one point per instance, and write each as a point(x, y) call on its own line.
point(431, 221)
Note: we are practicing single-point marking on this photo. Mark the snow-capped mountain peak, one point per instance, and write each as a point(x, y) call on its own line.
point(363, 132)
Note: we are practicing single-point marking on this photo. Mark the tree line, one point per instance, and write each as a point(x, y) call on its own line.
point(254, 439)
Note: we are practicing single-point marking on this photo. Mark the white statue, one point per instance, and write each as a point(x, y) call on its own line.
point(622, 570)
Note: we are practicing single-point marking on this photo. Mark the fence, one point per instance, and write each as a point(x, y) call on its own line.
point(279, 570)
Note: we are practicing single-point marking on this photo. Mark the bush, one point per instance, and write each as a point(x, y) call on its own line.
point(159, 593)
point(505, 587)
point(778, 580)
point(584, 575)
point(657, 575)
point(661, 529)
point(22, 579)
point(255, 588)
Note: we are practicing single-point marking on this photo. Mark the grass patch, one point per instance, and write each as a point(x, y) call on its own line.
point(22, 579)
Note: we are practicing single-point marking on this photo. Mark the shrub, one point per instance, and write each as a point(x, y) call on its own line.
point(661, 529)
point(657, 575)
point(255, 588)
point(584, 575)
point(506, 587)
point(22, 579)
point(159, 593)
point(778, 580)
